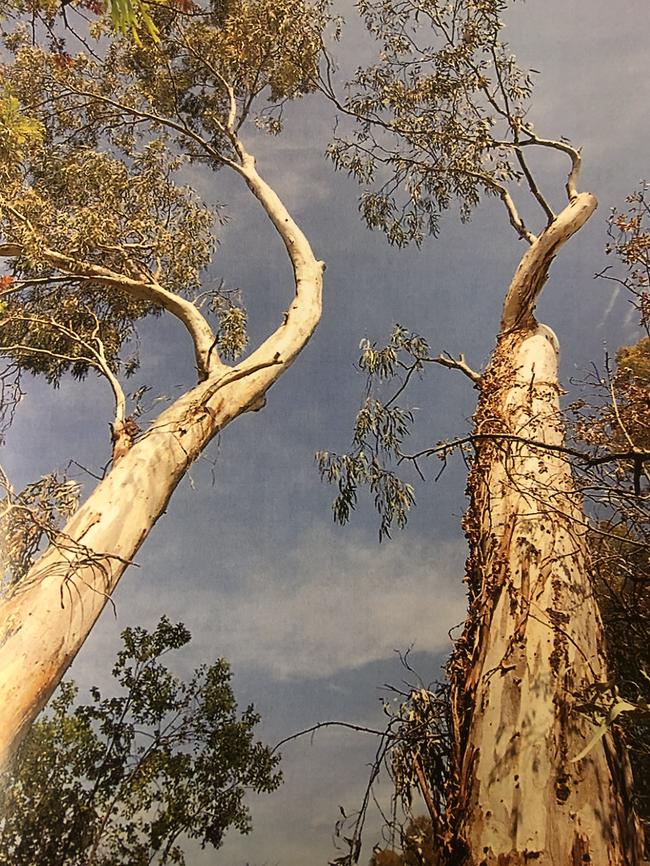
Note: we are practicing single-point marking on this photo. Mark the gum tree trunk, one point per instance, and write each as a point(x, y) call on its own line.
point(50, 612)
point(533, 640)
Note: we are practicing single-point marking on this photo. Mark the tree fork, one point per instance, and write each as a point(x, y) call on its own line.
point(533, 640)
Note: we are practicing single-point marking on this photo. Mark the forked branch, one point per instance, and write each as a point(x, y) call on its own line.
point(447, 360)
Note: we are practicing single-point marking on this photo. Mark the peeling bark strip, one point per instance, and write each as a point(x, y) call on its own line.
point(51, 612)
point(533, 639)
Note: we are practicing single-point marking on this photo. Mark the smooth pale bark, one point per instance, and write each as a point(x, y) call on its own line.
point(533, 640)
point(48, 615)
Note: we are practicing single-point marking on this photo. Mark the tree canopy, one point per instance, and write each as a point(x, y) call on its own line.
point(99, 228)
point(129, 778)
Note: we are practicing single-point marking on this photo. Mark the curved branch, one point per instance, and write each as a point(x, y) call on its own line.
point(532, 271)
point(96, 359)
point(283, 345)
point(200, 331)
point(571, 152)
point(320, 725)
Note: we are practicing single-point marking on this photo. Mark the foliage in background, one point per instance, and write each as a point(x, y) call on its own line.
point(618, 416)
point(127, 779)
point(29, 518)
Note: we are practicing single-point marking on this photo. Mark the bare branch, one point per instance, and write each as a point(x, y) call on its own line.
point(515, 219)
point(587, 459)
point(10, 250)
point(334, 724)
point(304, 311)
point(533, 268)
point(447, 360)
point(564, 147)
point(513, 214)
point(532, 185)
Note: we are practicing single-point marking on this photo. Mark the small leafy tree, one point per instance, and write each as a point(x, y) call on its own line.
point(123, 779)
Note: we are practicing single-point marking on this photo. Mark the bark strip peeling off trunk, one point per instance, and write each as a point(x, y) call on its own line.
point(48, 615)
point(533, 640)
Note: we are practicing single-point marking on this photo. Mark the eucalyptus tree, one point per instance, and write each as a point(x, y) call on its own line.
point(97, 233)
point(443, 116)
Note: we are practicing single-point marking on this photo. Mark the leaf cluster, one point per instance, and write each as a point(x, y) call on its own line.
point(436, 117)
point(16, 130)
point(379, 431)
point(124, 779)
point(231, 337)
point(29, 518)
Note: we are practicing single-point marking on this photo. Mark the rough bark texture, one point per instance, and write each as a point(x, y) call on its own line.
point(533, 640)
point(47, 617)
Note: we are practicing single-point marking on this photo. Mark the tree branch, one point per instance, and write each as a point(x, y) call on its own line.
point(96, 358)
point(200, 331)
point(446, 360)
point(587, 459)
point(317, 727)
point(532, 185)
point(304, 312)
point(533, 268)
point(181, 128)
point(572, 153)
point(513, 214)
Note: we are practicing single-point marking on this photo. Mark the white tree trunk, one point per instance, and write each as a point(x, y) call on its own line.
point(533, 639)
point(49, 614)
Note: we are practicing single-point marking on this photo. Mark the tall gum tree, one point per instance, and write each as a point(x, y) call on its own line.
point(97, 233)
point(442, 116)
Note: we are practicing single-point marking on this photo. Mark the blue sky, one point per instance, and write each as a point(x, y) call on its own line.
point(310, 614)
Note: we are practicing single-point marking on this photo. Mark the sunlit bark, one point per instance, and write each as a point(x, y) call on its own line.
point(533, 639)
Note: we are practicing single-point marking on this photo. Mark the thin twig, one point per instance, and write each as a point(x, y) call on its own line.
point(348, 725)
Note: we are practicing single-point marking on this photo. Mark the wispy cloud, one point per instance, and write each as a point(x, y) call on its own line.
point(330, 603)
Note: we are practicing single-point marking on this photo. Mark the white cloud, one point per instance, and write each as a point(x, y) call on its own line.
point(335, 604)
